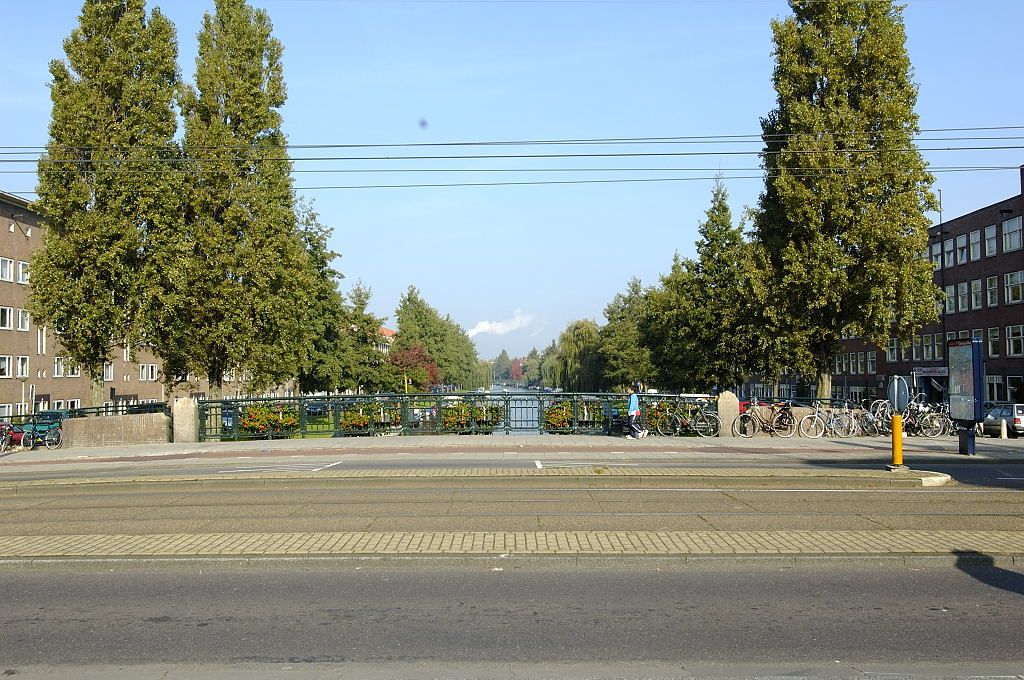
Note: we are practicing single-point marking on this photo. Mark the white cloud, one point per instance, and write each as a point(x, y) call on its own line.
point(519, 320)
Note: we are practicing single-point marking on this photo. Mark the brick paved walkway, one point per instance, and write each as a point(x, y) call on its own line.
point(484, 543)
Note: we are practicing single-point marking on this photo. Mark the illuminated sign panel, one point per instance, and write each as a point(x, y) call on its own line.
point(965, 379)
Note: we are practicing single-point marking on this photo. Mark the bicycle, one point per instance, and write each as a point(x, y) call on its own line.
point(674, 420)
point(6, 437)
point(815, 425)
point(750, 422)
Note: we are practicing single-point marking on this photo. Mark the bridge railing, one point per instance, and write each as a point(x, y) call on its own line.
point(469, 413)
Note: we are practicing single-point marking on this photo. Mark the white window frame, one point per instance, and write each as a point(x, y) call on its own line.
point(975, 245)
point(927, 347)
point(991, 241)
point(948, 254)
point(108, 372)
point(916, 356)
point(940, 346)
point(950, 299)
point(23, 272)
point(976, 294)
point(936, 254)
point(962, 296)
point(872, 363)
point(992, 284)
point(1015, 341)
point(890, 350)
point(993, 342)
point(58, 367)
point(147, 373)
point(24, 320)
point(22, 367)
point(961, 249)
point(6, 269)
point(6, 366)
point(1012, 234)
point(1013, 288)
point(7, 318)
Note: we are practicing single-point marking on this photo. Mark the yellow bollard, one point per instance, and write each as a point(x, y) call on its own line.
point(897, 440)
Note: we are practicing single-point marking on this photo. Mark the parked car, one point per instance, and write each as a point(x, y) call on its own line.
point(1013, 414)
point(44, 420)
point(316, 408)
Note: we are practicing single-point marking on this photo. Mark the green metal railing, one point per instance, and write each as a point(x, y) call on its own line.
point(469, 413)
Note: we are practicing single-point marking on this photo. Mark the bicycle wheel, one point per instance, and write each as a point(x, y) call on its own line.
point(784, 424)
point(707, 424)
point(844, 425)
point(931, 425)
point(53, 438)
point(745, 425)
point(868, 425)
point(666, 424)
point(812, 426)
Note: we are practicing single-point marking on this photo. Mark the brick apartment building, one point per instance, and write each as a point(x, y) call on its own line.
point(34, 373)
point(979, 263)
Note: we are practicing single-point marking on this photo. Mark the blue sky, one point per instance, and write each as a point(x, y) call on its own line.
point(514, 264)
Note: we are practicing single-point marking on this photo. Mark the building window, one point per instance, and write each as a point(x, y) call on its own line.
point(992, 284)
point(940, 346)
point(964, 335)
point(7, 318)
point(962, 296)
point(24, 320)
point(1015, 341)
point(861, 364)
point(917, 348)
point(976, 296)
point(839, 365)
point(23, 273)
point(872, 363)
point(961, 249)
point(6, 269)
point(22, 367)
point(108, 372)
point(890, 350)
point(147, 372)
point(58, 367)
point(1014, 291)
point(991, 242)
point(926, 346)
point(1012, 234)
point(947, 248)
point(5, 366)
point(975, 245)
point(994, 388)
point(993, 342)
point(950, 299)
point(936, 255)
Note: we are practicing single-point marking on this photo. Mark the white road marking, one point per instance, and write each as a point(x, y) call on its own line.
point(538, 464)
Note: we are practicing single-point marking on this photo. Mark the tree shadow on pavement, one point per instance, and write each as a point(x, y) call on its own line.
point(982, 567)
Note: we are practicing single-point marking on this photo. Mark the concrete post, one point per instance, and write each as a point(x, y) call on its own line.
point(728, 411)
point(186, 420)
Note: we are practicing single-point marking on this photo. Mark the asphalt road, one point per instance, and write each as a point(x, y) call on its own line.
point(416, 619)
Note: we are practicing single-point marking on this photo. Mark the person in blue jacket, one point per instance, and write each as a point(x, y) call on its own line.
point(633, 414)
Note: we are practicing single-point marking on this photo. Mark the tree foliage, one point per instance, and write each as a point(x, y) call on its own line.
point(235, 299)
point(694, 322)
point(108, 183)
point(445, 341)
point(841, 222)
point(626, 359)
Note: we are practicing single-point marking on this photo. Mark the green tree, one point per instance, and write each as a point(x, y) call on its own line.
point(578, 362)
point(323, 369)
point(443, 339)
point(531, 367)
point(237, 298)
point(626, 359)
point(702, 309)
point(365, 368)
point(108, 182)
point(502, 367)
point(842, 219)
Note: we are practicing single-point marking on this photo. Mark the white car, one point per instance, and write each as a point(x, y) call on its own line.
point(1013, 414)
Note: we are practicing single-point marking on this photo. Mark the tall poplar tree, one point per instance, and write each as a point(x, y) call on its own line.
point(626, 359)
point(235, 303)
point(108, 183)
point(842, 219)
